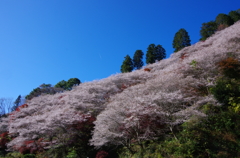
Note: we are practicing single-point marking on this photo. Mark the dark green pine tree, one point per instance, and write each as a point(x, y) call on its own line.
point(150, 57)
point(155, 53)
point(160, 53)
point(181, 40)
point(16, 103)
point(207, 30)
point(127, 65)
point(137, 59)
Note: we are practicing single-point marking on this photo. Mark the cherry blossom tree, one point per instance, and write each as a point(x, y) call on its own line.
point(129, 108)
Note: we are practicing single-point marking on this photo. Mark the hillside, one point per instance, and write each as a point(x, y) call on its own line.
point(126, 108)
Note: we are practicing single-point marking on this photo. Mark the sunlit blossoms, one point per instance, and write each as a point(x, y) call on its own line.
point(124, 108)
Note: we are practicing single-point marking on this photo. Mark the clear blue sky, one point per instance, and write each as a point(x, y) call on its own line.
point(46, 41)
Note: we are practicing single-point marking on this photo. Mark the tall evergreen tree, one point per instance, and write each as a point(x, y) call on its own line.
point(137, 59)
point(155, 53)
point(160, 53)
point(150, 57)
point(127, 65)
point(208, 29)
point(181, 40)
point(16, 103)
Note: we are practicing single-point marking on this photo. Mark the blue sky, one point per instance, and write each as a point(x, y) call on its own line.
point(46, 41)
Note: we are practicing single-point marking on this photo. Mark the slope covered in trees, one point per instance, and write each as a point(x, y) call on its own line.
point(128, 112)
point(221, 22)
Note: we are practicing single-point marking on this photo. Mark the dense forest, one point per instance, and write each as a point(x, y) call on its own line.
point(185, 106)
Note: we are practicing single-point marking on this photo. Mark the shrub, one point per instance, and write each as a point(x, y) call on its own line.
point(194, 63)
point(235, 104)
point(29, 156)
point(214, 136)
point(14, 155)
point(225, 89)
point(72, 153)
point(210, 109)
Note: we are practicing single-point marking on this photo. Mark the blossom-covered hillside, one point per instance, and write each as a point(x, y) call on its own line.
point(125, 108)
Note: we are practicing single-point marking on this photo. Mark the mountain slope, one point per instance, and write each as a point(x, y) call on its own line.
point(129, 107)
point(178, 87)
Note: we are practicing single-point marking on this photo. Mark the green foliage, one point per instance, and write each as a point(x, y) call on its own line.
point(14, 155)
point(155, 53)
point(235, 104)
point(150, 151)
point(194, 64)
point(214, 136)
point(137, 59)
point(181, 40)
point(226, 89)
point(43, 89)
point(62, 84)
point(210, 109)
point(18, 155)
point(208, 29)
point(150, 57)
point(72, 153)
point(224, 19)
point(29, 156)
point(221, 22)
point(160, 53)
point(34, 93)
point(127, 65)
point(174, 148)
point(235, 16)
point(67, 85)
point(55, 152)
point(72, 82)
